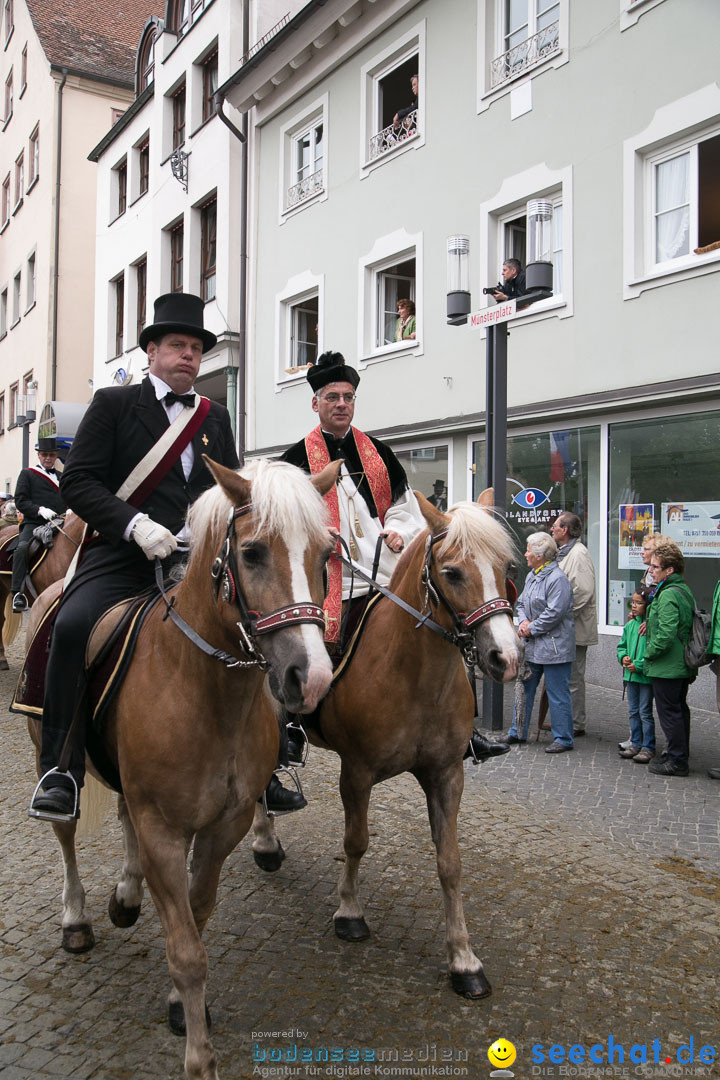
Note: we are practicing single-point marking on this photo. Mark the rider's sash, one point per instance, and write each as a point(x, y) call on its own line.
point(50, 477)
point(379, 481)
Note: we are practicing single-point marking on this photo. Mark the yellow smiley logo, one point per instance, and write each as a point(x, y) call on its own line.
point(502, 1054)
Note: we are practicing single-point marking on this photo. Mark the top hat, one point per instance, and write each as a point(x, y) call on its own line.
point(179, 313)
point(46, 446)
point(331, 367)
point(439, 483)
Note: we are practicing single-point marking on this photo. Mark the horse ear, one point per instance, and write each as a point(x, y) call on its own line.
point(486, 499)
point(435, 518)
point(235, 486)
point(327, 479)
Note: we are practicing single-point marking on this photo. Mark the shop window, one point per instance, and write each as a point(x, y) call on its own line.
point(394, 97)
point(208, 218)
point(664, 477)
point(427, 469)
point(33, 157)
point(548, 472)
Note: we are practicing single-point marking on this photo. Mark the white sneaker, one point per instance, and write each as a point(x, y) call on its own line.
point(625, 745)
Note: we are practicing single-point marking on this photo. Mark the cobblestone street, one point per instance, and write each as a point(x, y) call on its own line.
point(592, 892)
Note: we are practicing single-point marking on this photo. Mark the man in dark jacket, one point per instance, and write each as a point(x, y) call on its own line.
point(513, 282)
point(38, 498)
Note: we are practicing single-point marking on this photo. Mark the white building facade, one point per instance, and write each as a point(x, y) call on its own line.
point(611, 112)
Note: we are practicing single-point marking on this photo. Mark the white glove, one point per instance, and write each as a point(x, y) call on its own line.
point(155, 540)
point(47, 514)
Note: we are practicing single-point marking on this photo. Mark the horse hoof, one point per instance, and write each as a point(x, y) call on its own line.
point(470, 984)
point(119, 914)
point(351, 929)
point(77, 938)
point(176, 1018)
point(269, 861)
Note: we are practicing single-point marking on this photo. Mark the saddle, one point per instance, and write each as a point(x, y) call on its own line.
point(8, 544)
point(107, 658)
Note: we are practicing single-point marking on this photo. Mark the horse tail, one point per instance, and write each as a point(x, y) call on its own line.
point(13, 622)
point(95, 801)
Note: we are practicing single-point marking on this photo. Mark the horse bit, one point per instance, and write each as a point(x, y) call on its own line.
point(251, 624)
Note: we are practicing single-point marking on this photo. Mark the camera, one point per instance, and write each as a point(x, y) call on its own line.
point(492, 289)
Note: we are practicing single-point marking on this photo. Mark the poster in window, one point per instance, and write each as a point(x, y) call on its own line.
point(637, 520)
point(694, 526)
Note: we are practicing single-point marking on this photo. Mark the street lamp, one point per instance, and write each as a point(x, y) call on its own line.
point(539, 286)
point(26, 413)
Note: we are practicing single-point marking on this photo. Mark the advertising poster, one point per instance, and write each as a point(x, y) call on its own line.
point(636, 522)
point(694, 526)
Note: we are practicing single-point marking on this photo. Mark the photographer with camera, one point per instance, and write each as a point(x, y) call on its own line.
point(512, 285)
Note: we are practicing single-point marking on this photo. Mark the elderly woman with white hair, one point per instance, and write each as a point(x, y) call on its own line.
point(545, 611)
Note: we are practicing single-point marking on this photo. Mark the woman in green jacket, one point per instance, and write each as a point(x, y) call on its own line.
point(669, 621)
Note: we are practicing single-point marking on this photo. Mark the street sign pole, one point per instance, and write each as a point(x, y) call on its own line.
point(495, 471)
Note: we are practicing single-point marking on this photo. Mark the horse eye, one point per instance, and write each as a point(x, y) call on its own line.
point(253, 554)
point(453, 575)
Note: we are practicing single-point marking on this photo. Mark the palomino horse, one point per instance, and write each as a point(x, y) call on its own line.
point(193, 735)
point(52, 567)
point(405, 704)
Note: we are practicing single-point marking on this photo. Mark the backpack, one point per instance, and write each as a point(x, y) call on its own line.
point(695, 652)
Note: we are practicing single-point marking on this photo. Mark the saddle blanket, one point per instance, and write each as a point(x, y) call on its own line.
point(7, 547)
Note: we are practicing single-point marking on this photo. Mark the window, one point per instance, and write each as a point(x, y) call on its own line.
point(390, 273)
point(141, 296)
point(144, 165)
point(8, 19)
point(16, 299)
point(672, 194)
point(3, 313)
point(394, 95)
point(428, 470)
point(210, 85)
point(208, 217)
point(178, 114)
point(19, 181)
point(177, 239)
point(115, 115)
point(183, 14)
point(119, 296)
point(2, 412)
point(23, 71)
point(8, 98)
point(503, 233)
point(33, 157)
point(299, 314)
point(6, 201)
point(304, 148)
point(13, 404)
point(30, 284)
point(121, 182)
point(146, 59)
point(517, 37)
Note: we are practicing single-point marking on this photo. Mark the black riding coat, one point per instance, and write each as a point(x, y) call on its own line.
point(33, 491)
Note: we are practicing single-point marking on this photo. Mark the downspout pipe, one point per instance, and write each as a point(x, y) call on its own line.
point(56, 272)
point(241, 135)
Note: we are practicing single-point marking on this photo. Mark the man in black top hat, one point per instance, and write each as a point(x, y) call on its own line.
point(121, 427)
point(38, 498)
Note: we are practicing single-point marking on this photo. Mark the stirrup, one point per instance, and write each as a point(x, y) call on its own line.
point(50, 815)
point(289, 769)
point(301, 734)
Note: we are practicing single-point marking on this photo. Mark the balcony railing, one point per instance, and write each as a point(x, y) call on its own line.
point(528, 52)
point(391, 136)
point(305, 188)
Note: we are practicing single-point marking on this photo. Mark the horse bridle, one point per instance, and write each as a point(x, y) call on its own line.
point(251, 624)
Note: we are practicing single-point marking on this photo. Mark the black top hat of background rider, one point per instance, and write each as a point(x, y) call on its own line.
point(179, 313)
point(46, 446)
point(331, 367)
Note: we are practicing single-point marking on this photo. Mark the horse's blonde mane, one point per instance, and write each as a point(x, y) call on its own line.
point(283, 498)
point(472, 527)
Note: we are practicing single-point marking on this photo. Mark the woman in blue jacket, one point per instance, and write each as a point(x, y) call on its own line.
point(545, 611)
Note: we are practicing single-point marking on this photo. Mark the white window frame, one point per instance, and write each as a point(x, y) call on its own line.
point(304, 286)
point(311, 117)
point(31, 282)
point(410, 44)
point(387, 251)
point(490, 24)
point(538, 182)
point(682, 124)
point(16, 299)
point(631, 10)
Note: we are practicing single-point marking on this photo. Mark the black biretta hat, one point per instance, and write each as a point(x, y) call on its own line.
point(331, 367)
point(180, 313)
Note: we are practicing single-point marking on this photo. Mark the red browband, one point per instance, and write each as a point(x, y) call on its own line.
point(292, 615)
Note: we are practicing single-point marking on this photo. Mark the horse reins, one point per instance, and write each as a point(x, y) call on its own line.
point(251, 624)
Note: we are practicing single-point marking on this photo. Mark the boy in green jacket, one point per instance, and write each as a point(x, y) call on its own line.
point(631, 651)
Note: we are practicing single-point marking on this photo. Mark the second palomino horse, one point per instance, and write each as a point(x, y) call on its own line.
point(404, 704)
point(191, 732)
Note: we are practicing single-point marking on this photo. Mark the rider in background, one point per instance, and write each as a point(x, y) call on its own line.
point(38, 498)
